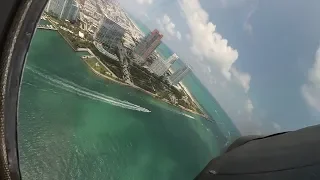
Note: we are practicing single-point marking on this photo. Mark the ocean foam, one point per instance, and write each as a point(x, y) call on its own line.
point(187, 115)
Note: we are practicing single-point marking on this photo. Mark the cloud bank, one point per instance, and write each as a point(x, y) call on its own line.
point(214, 52)
point(168, 27)
point(145, 1)
point(206, 42)
point(311, 89)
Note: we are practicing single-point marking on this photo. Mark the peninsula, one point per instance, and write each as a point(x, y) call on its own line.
point(119, 65)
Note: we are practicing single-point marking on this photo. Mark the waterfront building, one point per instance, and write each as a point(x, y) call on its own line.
point(148, 44)
point(109, 32)
point(71, 10)
point(160, 67)
point(113, 10)
point(172, 59)
point(105, 52)
point(128, 41)
point(89, 23)
point(178, 76)
point(56, 7)
point(63, 9)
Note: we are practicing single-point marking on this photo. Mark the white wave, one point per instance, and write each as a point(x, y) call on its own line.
point(81, 91)
point(181, 113)
point(187, 115)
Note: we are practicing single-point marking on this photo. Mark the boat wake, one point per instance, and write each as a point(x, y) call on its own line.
point(84, 92)
point(187, 115)
point(181, 113)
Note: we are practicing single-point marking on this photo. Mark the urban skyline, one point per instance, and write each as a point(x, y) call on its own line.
point(109, 32)
point(111, 28)
point(178, 75)
point(63, 9)
point(147, 46)
point(160, 67)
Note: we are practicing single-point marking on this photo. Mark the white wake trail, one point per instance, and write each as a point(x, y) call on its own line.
point(187, 115)
point(81, 91)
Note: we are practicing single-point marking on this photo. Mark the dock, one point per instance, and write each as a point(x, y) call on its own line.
point(47, 27)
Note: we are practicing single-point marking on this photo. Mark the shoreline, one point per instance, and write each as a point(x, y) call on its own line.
point(115, 80)
point(185, 89)
point(142, 90)
point(129, 85)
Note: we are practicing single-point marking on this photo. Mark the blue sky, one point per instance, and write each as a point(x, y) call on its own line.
point(258, 58)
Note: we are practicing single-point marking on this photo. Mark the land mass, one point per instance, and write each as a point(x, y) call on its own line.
point(117, 68)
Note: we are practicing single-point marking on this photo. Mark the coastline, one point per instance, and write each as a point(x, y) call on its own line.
point(133, 86)
point(185, 89)
point(142, 90)
point(117, 81)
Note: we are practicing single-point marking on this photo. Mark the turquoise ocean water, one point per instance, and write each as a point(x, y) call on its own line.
point(198, 90)
point(75, 125)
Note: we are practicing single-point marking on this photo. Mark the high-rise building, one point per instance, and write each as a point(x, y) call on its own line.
point(178, 76)
point(172, 59)
point(56, 7)
point(71, 10)
point(160, 67)
point(63, 9)
point(109, 32)
point(148, 44)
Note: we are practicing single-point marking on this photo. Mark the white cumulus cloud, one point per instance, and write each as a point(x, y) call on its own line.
point(145, 1)
point(249, 106)
point(168, 26)
point(234, 3)
point(247, 26)
point(229, 85)
point(242, 78)
point(311, 90)
point(178, 35)
point(276, 126)
point(206, 42)
point(188, 37)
